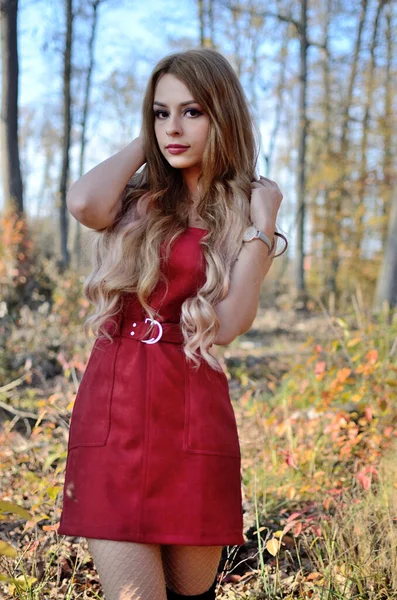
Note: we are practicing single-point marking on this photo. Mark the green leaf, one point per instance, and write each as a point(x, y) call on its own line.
point(53, 491)
point(9, 507)
point(7, 549)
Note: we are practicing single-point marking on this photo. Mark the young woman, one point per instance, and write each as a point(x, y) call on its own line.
point(180, 251)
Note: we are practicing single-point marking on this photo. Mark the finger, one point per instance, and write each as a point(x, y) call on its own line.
point(261, 178)
point(263, 181)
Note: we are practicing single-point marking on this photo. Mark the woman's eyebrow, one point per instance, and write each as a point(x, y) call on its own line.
point(181, 104)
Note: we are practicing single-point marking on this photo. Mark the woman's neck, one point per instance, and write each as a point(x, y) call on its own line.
point(191, 180)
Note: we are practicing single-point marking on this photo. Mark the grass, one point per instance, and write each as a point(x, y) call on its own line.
point(319, 465)
point(318, 433)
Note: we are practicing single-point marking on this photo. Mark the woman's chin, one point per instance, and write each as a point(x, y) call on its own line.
point(180, 163)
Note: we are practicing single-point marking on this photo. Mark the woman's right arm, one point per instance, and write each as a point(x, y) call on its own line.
point(95, 198)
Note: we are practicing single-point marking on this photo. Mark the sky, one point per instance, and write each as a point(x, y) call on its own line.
point(126, 31)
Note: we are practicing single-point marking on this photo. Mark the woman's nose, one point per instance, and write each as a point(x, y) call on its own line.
point(174, 125)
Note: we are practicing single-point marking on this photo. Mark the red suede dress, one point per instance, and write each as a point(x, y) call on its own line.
point(153, 452)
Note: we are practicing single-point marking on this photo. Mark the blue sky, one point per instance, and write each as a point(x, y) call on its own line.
point(127, 31)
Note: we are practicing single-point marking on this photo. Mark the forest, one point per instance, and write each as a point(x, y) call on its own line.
point(313, 383)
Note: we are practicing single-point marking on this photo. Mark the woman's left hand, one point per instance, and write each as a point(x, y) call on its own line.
point(266, 198)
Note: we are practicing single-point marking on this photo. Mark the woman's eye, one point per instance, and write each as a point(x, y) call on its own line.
point(159, 113)
point(198, 113)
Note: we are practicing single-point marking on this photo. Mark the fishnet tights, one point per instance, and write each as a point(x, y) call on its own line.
point(128, 571)
point(190, 570)
point(132, 571)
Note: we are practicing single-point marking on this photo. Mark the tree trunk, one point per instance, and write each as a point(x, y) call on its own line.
point(201, 22)
point(84, 120)
point(327, 154)
point(11, 171)
point(387, 281)
point(211, 23)
point(387, 127)
point(302, 141)
point(386, 288)
point(67, 68)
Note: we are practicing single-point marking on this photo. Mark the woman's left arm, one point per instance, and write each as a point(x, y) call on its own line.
point(237, 311)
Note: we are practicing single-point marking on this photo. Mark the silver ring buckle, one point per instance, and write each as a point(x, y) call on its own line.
point(154, 340)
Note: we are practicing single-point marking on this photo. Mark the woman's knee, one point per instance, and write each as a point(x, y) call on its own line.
point(128, 570)
point(190, 570)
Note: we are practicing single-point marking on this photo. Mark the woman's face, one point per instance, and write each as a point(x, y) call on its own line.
point(179, 121)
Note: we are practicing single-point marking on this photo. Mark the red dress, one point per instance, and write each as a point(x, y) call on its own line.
point(153, 451)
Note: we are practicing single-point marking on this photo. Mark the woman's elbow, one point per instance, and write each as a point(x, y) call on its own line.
point(75, 203)
point(225, 336)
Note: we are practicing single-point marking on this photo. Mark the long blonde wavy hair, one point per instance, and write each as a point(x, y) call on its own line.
point(156, 206)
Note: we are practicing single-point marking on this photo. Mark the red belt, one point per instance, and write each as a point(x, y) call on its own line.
point(161, 332)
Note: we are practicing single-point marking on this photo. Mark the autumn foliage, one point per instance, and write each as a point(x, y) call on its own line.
point(318, 443)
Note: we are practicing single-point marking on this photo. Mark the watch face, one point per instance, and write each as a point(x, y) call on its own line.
point(249, 233)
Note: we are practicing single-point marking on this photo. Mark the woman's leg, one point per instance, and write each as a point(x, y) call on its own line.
point(190, 570)
point(128, 570)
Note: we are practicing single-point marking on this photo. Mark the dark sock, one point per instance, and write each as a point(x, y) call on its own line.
point(208, 595)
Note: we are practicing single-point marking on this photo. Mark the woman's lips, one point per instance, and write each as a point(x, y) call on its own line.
point(177, 149)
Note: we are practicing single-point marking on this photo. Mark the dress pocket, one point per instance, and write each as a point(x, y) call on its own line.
point(210, 422)
point(90, 420)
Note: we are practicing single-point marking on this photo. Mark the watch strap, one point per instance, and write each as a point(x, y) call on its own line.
point(261, 236)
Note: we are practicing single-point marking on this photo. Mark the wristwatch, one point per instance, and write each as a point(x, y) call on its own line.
point(252, 233)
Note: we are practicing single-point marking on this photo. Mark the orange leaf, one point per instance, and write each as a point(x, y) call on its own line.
point(343, 374)
point(51, 527)
point(372, 356)
point(364, 480)
point(293, 516)
point(297, 528)
point(313, 576)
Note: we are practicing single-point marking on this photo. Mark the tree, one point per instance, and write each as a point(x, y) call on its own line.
point(387, 281)
point(386, 288)
point(12, 180)
point(84, 120)
point(67, 125)
point(206, 15)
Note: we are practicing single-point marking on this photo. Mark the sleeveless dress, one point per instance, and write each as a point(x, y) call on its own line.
point(153, 451)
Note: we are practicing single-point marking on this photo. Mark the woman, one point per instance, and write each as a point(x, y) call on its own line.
point(153, 471)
